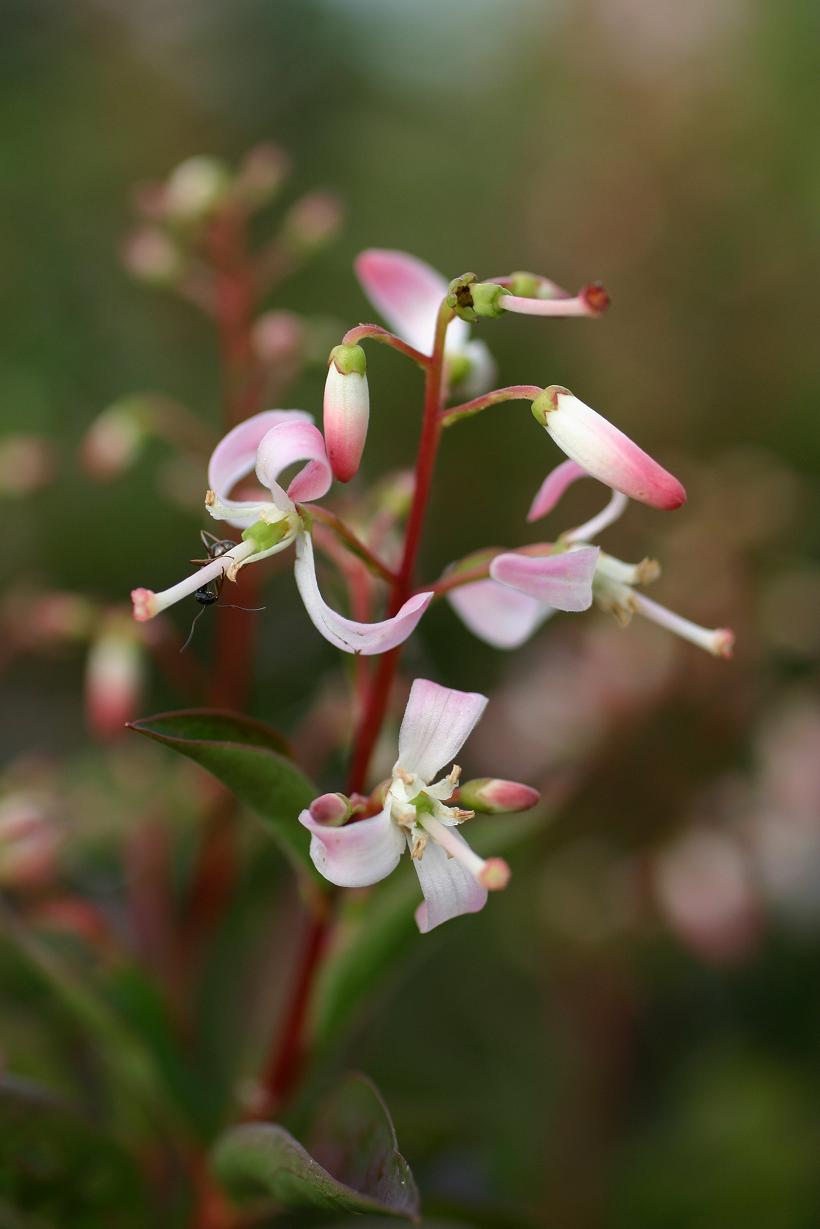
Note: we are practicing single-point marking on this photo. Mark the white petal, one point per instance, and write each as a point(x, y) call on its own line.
point(498, 615)
point(284, 445)
point(346, 634)
point(437, 722)
point(449, 890)
point(483, 366)
point(357, 854)
point(563, 581)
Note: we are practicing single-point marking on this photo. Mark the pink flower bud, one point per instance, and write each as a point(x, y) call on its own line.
point(312, 221)
point(29, 842)
point(278, 337)
point(115, 439)
point(113, 678)
point(494, 875)
point(494, 796)
point(332, 810)
point(346, 410)
point(152, 256)
point(26, 464)
point(604, 451)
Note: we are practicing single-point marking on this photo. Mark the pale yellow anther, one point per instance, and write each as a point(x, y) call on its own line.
point(419, 845)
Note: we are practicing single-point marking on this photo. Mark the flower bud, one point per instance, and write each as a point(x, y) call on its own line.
point(332, 810)
point(261, 174)
point(493, 796)
point(346, 410)
point(312, 222)
point(115, 438)
point(29, 841)
point(278, 337)
point(604, 451)
point(113, 678)
point(486, 298)
point(151, 256)
point(26, 464)
point(196, 188)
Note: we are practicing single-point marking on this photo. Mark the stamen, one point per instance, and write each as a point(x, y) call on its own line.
point(718, 641)
point(580, 305)
point(597, 524)
point(642, 573)
point(492, 873)
point(148, 604)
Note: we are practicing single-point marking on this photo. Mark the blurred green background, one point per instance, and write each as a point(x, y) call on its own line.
point(578, 1055)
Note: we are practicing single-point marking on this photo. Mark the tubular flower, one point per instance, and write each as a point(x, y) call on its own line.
point(604, 451)
point(346, 410)
point(523, 590)
point(270, 442)
point(416, 815)
point(408, 293)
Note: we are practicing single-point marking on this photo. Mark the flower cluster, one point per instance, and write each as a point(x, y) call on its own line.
point(503, 596)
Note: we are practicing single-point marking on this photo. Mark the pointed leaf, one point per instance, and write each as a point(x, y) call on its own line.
point(353, 1165)
point(248, 757)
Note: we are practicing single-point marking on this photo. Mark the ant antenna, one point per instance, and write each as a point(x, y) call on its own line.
point(225, 606)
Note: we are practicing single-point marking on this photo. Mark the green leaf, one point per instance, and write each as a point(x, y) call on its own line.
point(377, 931)
point(251, 759)
point(353, 1164)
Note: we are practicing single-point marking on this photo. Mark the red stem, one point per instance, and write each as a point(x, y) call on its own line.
point(381, 685)
point(288, 1057)
point(287, 1060)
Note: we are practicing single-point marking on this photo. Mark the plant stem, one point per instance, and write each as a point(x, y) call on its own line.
point(287, 1060)
point(379, 693)
point(513, 392)
point(375, 332)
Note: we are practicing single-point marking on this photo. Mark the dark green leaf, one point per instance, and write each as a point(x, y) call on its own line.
point(250, 759)
point(353, 1164)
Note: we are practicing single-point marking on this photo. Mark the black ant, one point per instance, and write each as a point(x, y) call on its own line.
point(209, 593)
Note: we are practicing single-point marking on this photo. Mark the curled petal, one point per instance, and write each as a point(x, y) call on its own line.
point(346, 634)
point(284, 445)
point(563, 581)
point(498, 615)
point(407, 293)
point(604, 451)
point(553, 488)
point(235, 457)
point(436, 724)
point(357, 854)
point(449, 889)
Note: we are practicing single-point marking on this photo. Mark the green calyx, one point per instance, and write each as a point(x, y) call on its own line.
point(546, 403)
point(473, 300)
point(525, 285)
point(348, 360)
point(460, 298)
point(265, 536)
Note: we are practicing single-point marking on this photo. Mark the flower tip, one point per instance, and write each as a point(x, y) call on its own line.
point(595, 297)
point(724, 642)
point(494, 875)
point(494, 796)
point(331, 810)
point(144, 603)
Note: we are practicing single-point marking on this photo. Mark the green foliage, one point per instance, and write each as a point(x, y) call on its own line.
point(353, 1164)
point(251, 759)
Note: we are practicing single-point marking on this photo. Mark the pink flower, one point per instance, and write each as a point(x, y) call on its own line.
point(114, 677)
point(604, 451)
point(408, 293)
point(524, 590)
point(346, 410)
point(270, 442)
point(454, 879)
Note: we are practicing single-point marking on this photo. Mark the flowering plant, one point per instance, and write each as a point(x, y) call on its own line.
point(277, 483)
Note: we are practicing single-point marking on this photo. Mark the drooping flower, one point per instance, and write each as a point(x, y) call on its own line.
point(346, 410)
point(603, 451)
point(270, 442)
point(520, 593)
point(408, 293)
point(418, 814)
